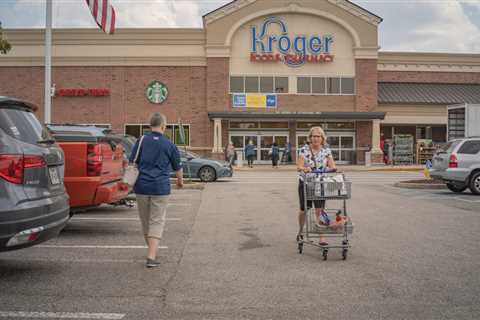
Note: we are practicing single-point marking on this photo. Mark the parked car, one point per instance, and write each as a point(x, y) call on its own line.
point(207, 170)
point(126, 141)
point(94, 166)
point(34, 205)
point(458, 164)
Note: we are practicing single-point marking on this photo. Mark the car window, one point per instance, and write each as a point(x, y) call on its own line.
point(449, 146)
point(470, 147)
point(22, 125)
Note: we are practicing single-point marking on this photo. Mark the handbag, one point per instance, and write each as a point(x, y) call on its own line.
point(130, 175)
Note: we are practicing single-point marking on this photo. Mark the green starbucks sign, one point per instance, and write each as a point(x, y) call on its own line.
point(156, 92)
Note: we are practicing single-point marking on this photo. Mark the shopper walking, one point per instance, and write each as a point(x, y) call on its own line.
point(275, 154)
point(250, 153)
point(156, 156)
point(314, 155)
point(287, 153)
point(231, 154)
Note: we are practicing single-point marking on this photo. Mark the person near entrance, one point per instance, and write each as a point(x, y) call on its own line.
point(274, 153)
point(250, 153)
point(287, 153)
point(231, 154)
point(314, 155)
point(156, 156)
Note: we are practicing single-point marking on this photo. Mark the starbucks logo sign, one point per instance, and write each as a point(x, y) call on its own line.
point(156, 92)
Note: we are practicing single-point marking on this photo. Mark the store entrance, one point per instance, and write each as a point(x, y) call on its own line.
point(342, 145)
point(262, 142)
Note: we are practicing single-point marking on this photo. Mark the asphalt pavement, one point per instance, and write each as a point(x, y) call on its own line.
point(228, 252)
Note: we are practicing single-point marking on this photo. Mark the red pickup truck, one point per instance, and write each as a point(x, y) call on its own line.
point(94, 166)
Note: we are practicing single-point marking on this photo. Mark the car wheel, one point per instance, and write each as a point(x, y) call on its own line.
point(455, 188)
point(207, 174)
point(475, 183)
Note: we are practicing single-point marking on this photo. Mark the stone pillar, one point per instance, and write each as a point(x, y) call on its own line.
point(217, 136)
point(376, 152)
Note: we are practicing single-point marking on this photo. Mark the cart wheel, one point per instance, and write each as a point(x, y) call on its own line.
point(300, 248)
point(344, 254)
point(325, 254)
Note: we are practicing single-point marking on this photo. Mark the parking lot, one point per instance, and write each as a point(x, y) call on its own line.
point(228, 252)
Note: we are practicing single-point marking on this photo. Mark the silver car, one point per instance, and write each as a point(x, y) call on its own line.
point(458, 164)
point(207, 170)
point(33, 202)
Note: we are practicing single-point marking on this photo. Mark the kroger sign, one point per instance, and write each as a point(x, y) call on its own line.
point(293, 51)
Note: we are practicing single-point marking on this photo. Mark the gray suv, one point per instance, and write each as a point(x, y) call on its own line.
point(458, 164)
point(33, 202)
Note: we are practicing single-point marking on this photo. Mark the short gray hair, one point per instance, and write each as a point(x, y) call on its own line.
point(158, 120)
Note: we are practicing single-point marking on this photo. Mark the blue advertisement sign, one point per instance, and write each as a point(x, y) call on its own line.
point(271, 101)
point(239, 100)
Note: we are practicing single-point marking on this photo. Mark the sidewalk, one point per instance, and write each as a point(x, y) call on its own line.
point(344, 168)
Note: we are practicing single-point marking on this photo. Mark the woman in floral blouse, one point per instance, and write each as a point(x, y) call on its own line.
point(314, 155)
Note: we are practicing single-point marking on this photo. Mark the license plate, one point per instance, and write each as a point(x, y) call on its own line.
point(53, 175)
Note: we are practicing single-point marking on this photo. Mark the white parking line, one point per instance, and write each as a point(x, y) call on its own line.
point(61, 315)
point(466, 200)
point(92, 247)
point(114, 219)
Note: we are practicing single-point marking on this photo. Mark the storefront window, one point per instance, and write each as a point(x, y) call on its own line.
point(318, 85)
point(266, 84)
point(308, 125)
point(243, 125)
point(274, 125)
point(304, 85)
point(348, 86)
point(137, 130)
point(347, 142)
point(340, 125)
point(251, 84)
point(333, 141)
point(237, 141)
point(281, 84)
point(333, 85)
point(237, 85)
point(178, 139)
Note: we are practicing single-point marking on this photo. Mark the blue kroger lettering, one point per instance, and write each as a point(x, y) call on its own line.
point(295, 50)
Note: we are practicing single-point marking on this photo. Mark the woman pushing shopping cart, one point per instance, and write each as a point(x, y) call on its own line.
point(318, 182)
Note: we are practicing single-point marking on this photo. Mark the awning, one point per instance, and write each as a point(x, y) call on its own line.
point(297, 115)
point(427, 93)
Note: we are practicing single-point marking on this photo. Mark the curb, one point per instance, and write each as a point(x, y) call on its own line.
point(419, 186)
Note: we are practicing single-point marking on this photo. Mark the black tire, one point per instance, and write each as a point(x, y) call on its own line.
point(207, 174)
point(300, 248)
point(325, 255)
point(475, 183)
point(455, 188)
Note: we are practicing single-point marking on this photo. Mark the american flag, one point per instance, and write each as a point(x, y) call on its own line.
point(104, 14)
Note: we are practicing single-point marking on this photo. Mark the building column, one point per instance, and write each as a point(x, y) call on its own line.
point(217, 136)
point(376, 152)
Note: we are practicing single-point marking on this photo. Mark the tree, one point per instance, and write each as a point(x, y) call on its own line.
point(5, 46)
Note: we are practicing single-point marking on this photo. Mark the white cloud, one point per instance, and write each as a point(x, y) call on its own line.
point(409, 25)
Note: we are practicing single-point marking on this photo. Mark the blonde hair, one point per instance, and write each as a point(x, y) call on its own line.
point(322, 134)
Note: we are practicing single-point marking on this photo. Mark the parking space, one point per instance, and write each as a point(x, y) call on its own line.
point(95, 268)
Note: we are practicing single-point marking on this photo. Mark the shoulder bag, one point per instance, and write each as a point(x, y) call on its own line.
point(130, 175)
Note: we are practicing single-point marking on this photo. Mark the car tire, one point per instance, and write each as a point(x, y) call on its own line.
point(207, 174)
point(455, 188)
point(475, 183)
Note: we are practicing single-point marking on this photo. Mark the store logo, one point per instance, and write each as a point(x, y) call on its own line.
point(156, 92)
point(293, 51)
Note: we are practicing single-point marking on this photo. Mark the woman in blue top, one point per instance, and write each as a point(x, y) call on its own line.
point(157, 157)
point(250, 153)
point(314, 155)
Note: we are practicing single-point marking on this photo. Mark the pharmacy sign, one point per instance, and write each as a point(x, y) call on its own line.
point(156, 92)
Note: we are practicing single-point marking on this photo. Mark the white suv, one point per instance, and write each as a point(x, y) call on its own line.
point(458, 164)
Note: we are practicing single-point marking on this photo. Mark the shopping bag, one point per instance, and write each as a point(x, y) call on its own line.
point(130, 175)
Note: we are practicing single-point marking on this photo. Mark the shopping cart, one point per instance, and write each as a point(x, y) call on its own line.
point(336, 225)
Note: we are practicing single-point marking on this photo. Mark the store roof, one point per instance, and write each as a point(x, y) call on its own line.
point(298, 115)
point(426, 93)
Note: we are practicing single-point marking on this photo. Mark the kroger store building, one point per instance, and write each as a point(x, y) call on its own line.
point(261, 70)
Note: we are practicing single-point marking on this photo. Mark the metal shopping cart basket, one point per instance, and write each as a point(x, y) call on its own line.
point(332, 223)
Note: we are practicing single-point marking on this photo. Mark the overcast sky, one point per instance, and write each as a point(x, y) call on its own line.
point(408, 25)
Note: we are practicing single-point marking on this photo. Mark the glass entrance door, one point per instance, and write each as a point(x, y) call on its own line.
point(342, 145)
point(262, 142)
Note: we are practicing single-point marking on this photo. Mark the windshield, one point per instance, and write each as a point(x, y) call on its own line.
point(22, 125)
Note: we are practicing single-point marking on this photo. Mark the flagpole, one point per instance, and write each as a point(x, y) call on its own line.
point(48, 62)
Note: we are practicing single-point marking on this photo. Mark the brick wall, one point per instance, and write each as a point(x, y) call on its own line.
point(366, 85)
point(364, 139)
point(127, 102)
point(429, 77)
point(218, 98)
